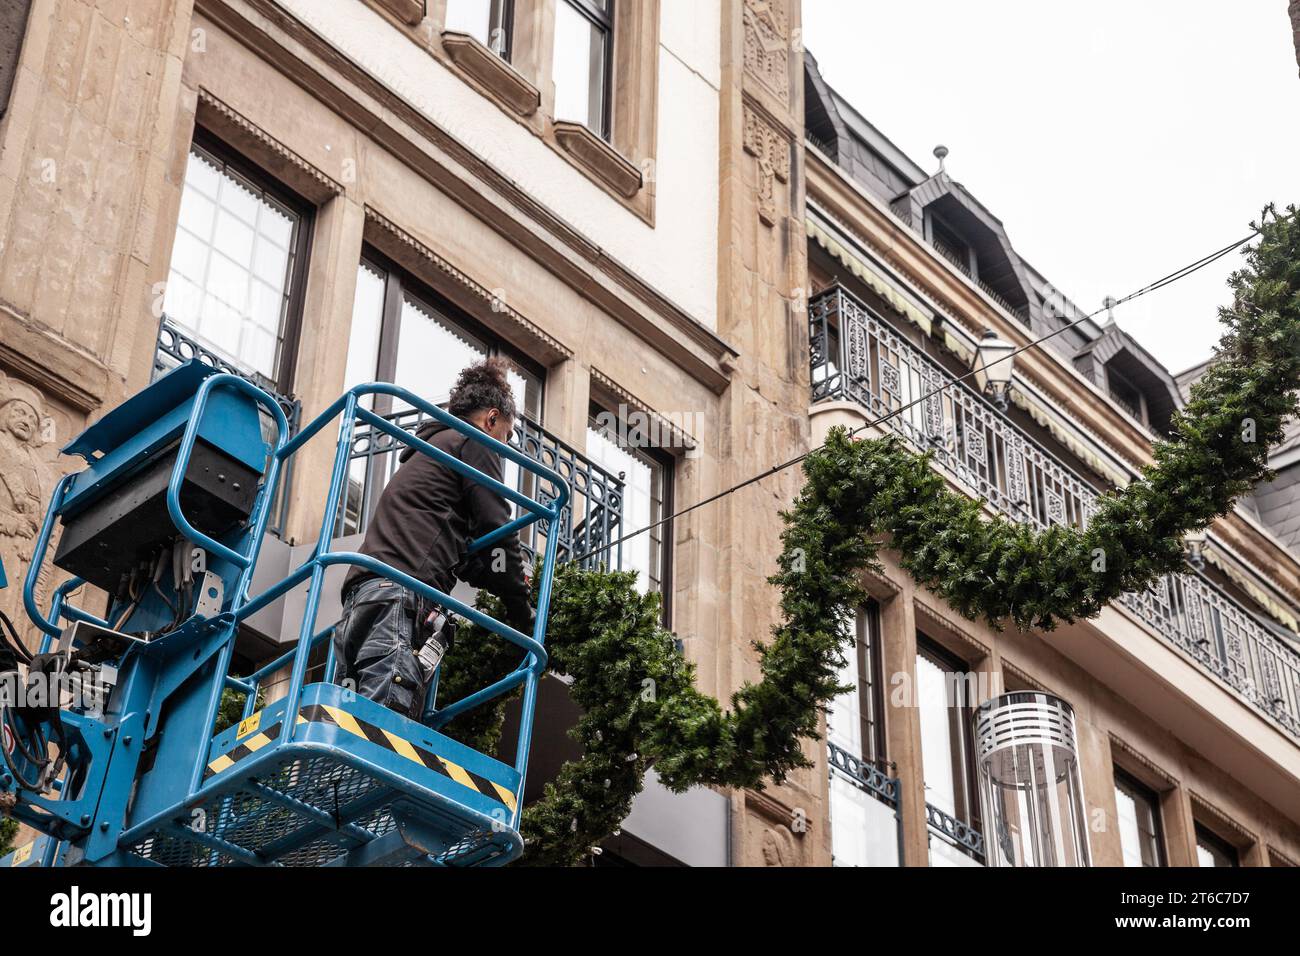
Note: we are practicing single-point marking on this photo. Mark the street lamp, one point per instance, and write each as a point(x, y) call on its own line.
point(1194, 542)
point(993, 366)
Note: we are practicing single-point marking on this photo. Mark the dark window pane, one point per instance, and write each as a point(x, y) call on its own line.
point(1213, 850)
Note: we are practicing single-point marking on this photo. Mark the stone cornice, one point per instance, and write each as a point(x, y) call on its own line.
point(1221, 818)
point(530, 329)
point(229, 123)
point(682, 440)
point(954, 625)
point(62, 371)
point(342, 85)
point(1136, 761)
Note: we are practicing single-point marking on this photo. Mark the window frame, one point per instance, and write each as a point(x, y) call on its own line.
point(1117, 381)
point(1136, 790)
point(1201, 832)
point(666, 465)
point(604, 21)
point(400, 282)
point(870, 657)
point(961, 727)
point(390, 325)
point(507, 26)
point(259, 178)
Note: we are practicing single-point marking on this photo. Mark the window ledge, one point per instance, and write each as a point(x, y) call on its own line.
point(408, 11)
point(598, 157)
point(492, 72)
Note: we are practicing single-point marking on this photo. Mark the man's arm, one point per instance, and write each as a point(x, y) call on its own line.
point(500, 568)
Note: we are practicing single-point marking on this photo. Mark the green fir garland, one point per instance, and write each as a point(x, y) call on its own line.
point(8, 830)
point(638, 693)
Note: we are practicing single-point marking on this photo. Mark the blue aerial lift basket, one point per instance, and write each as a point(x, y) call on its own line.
point(168, 517)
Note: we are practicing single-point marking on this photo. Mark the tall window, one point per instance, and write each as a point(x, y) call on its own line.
point(857, 718)
point(584, 46)
point(488, 21)
point(1139, 822)
point(946, 746)
point(238, 264)
point(647, 495)
point(404, 333)
point(1213, 850)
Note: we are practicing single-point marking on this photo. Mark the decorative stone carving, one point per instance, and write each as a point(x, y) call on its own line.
point(774, 846)
point(28, 474)
point(767, 45)
point(772, 150)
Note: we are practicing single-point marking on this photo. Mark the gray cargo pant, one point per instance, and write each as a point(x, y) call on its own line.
point(375, 643)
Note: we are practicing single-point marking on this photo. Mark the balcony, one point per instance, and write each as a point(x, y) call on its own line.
point(857, 357)
point(592, 518)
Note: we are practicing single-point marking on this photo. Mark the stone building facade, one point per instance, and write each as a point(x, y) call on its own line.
point(315, 194)
point(620, 196)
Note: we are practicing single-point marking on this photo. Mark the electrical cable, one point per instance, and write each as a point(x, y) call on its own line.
point(12, 640)
point(1160, 283)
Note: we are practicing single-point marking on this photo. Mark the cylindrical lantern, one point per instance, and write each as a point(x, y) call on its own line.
point(1030, 785)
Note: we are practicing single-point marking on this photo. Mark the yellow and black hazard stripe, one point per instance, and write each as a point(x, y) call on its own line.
point(248, 741)
point(319, 713)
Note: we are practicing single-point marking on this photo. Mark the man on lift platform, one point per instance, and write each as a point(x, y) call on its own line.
point(390, 639)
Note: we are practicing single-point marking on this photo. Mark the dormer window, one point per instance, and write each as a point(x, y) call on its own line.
point(1128, 395)
point(954, 248)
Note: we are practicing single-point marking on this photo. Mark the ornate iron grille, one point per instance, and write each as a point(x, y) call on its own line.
point(592, 518)
point(856, 356)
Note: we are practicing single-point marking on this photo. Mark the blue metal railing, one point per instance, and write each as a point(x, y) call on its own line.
point(241, 606)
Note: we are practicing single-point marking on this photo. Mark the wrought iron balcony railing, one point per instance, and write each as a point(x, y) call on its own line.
point(856, 356)
point(591, 519)
point(867, 777)
point(961, 835)
point(176, 347)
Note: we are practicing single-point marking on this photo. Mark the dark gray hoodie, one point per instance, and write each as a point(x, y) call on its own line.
point(428, 514)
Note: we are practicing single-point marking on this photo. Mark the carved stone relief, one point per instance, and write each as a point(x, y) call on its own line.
point(772, 150)
point(776, 846)
point(767, 45)
point(31, 430)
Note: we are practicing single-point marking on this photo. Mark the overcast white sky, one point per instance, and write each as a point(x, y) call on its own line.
point(1117, 140)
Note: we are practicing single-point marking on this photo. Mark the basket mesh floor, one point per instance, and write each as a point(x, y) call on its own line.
point(252, 820)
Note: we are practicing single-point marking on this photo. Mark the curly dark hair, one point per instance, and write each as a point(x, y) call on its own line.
point(481, 386)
